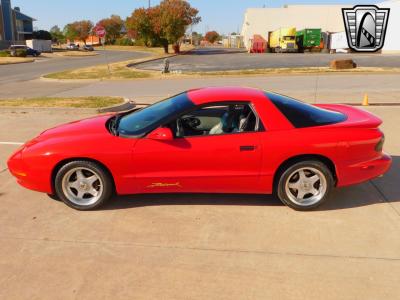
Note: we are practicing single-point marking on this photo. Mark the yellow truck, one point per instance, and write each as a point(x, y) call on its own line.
point(283, 40)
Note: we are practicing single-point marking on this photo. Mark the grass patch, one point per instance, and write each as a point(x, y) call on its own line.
point(74, 102)
point(100, 72)
point(117, 70)
point(15, 60)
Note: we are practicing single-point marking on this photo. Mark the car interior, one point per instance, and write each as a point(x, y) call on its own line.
point(216, 120)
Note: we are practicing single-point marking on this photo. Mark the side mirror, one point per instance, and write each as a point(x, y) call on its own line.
point(161, 134)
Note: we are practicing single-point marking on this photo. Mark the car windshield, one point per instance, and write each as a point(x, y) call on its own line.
point(288, 38)
point(149, 118)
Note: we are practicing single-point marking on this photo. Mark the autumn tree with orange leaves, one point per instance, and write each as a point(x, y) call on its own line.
point(163, 24)
point(113, 26)
point(211, 36)
point(79, 30)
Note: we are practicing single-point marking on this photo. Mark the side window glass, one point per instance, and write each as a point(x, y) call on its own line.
point(216, 120)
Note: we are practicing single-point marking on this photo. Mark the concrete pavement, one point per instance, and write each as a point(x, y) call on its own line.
point(198, 246)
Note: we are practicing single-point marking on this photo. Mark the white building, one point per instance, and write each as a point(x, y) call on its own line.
point(327, 17)
point(392, 40)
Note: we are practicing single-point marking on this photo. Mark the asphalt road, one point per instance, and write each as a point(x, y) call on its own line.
point(198, 246)
point(311, 88)
point(29, 71)
point(220, 59)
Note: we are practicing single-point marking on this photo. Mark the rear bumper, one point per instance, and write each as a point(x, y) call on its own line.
point(363, 171)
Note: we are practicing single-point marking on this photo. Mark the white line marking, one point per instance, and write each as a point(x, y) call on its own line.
point(10, 143)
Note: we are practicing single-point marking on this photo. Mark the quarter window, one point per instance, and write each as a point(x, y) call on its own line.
point(302, 115)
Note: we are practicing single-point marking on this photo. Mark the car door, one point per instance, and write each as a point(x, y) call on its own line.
point(202, 163)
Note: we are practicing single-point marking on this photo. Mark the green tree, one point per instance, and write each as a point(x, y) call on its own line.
point(113, 26)
point(174, 18)
point(57, 35)
point(162, 24)
point(41, 35)
point(140, 26)
point(70, 32)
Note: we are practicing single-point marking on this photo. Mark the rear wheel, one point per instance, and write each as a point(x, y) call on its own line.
point(83, 185)
point(305, 185)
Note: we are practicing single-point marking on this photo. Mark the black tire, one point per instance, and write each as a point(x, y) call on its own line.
point(54, 197)
point(286, 195)
point(88, 166)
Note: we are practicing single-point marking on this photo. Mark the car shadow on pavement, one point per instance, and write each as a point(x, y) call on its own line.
point(381, 190)
point(132, 201)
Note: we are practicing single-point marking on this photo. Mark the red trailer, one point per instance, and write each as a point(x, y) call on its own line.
point(258, 44)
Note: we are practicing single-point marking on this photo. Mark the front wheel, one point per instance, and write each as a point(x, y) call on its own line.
point(83, 185)
point(305, 185)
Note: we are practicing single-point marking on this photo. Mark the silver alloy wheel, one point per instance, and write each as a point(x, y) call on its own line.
point(306, 186)
point(82, 186)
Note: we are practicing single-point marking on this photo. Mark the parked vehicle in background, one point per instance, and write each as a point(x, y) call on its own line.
point(258, 44)
point(308, 39)
point(29, 51)
point(338, 42)
point(39, 45)
point(88, 48)
point(283, 40)
point(72, 46)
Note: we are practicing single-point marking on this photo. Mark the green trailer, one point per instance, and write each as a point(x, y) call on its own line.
point(308, 38)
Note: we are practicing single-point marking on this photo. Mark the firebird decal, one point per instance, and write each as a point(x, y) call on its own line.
point(159, 185)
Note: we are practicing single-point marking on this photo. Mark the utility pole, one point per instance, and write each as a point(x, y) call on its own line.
point(149, 3)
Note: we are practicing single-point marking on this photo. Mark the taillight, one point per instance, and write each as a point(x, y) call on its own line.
point(379, 146)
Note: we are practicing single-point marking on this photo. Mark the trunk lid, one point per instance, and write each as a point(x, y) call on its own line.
point(356, 118)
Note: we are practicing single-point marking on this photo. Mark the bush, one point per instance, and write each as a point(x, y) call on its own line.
point(19, 53)
point(124, 42)
point(5, 53)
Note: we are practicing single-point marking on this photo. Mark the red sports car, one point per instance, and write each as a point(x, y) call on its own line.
point(212, 140)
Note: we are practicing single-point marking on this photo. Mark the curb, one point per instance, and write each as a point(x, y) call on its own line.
point(149, 60)
point(68, 80)
point(127, 105)
point(158, 58)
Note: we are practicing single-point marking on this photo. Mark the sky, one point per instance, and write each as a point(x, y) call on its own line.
point(224, 16)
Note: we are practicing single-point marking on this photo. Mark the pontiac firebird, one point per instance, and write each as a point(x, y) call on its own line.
point(211, 140)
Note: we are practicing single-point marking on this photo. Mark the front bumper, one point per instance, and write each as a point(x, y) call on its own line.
point(27, 175)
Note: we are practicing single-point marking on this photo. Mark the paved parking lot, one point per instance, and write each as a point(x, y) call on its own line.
point(197, 246)
point(219, 59)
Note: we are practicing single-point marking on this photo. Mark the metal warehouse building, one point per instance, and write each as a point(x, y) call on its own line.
point(327, 17)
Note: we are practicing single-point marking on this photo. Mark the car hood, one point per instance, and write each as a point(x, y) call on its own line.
point(90, 127)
